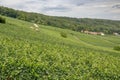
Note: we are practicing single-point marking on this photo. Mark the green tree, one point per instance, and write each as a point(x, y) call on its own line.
point(2, 20)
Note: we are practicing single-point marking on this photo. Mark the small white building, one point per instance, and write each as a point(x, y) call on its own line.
point(102, 34)
point(116, 34)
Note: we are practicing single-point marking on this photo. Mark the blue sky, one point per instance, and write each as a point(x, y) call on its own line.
point(104, 9)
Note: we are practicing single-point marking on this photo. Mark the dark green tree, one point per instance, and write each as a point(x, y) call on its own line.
point(2, 20)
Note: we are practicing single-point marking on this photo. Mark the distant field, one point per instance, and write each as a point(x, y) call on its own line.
point(32, 53)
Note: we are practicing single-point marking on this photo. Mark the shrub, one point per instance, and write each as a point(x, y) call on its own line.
point(63, 34)
point(117, 48)
point(2, 20)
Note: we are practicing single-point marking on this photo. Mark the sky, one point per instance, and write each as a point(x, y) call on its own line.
point(103, 9)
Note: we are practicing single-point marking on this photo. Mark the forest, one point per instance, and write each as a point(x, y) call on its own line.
point(76, 24)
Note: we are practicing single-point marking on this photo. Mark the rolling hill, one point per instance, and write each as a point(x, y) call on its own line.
point(76, 24)
point(49, 53)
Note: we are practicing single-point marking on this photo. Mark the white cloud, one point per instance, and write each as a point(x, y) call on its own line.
point(71, 8)
point(10, 2)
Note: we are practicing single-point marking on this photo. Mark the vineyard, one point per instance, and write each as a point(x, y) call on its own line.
point(27, 53)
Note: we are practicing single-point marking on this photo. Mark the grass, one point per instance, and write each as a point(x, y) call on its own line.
point(29, 54)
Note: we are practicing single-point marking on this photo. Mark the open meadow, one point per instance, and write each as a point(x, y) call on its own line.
point(28, 52)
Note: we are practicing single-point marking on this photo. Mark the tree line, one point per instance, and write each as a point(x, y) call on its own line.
point(76, 24)
point(2, 20)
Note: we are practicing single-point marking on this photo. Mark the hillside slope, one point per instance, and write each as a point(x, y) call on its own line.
point(76, 24)
point(30, 52)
